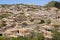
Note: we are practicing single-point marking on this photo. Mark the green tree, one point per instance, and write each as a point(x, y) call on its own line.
point(53, 4)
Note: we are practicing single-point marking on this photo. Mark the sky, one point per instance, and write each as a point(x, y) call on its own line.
point(36, 2)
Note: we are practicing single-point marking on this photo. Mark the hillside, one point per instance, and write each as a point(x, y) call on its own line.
point(23, 20)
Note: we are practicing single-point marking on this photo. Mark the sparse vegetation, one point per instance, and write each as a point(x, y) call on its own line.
point(2, 38)
point(56, 34)
point(24, 24)
point(4, 15)
point(48, 21)
point(37, 37)
point(2, 24)
point(42, 21)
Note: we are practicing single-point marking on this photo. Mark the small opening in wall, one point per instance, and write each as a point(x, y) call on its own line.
point(0, 34)
point(58, 17)
point(17, 31)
